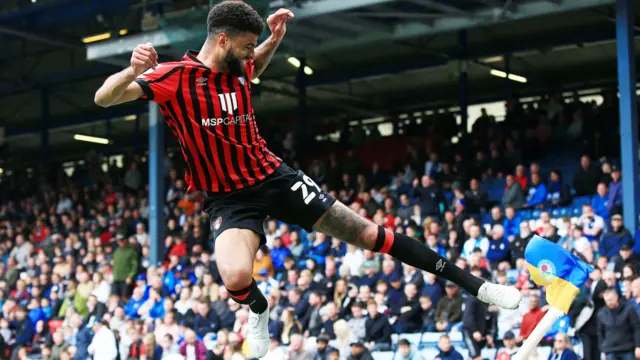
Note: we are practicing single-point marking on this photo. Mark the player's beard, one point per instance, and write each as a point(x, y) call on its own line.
point(234, 64)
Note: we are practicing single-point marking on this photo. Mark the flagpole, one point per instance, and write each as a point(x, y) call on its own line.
point(538, 333)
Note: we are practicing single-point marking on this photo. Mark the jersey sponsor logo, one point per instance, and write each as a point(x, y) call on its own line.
point(236, 120)
point(202, 81)
point(228, 102)
point(307, 187)
point(218, 223)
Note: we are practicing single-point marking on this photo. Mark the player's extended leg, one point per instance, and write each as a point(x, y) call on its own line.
point(341, 222)
point(235, 251)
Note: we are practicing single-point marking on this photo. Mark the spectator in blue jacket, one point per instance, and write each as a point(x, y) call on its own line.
point(536, 193)
point(23, 328)
point(511, 223)
point(278, 253)
point(83, 337)
point(613, 240)
point(498, 247)
point(319, 248)
point(615, 192)
point(600, 201)
point(446, 351)
point(137, 299)
point(206, 322)
point(558, 193)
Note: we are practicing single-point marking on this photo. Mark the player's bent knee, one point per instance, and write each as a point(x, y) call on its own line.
point(236, 277)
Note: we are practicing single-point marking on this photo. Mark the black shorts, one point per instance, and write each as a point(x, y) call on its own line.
point(287, 195)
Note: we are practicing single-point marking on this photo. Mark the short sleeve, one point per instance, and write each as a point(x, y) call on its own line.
point(250, 68)
point(160, 84)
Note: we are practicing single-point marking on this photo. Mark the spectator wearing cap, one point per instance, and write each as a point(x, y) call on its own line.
point(125, 266)
point(449, 309)
point(614, 205)
point(618, 328)
point(586, 177)
point(371, 274)
point(531, 319)
point(613, 240)
point(265, 282)
point(206, 322)
point(478, 325)
point(536, 193)
point(359, 351)
point(446, 351)
point(510, 347)
point(600, 200)
point(377, 329)
point(322, 348)
point(103, 345)
point(623, 258)
point(406, 352)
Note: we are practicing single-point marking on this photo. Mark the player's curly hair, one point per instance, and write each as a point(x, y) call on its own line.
point(234, 17)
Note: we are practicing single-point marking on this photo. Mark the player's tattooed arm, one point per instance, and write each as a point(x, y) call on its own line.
point(344, 224)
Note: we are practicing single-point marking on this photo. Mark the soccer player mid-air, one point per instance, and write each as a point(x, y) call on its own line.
point(205, 99)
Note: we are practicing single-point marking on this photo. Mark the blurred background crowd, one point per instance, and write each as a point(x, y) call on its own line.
point(76, 281)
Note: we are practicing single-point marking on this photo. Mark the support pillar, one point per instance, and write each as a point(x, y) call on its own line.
point(156, 185)
point(628, 111)
point(44, 128)
point(301, 84)
point(463, 81)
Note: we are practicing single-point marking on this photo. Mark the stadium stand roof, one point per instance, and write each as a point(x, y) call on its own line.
point(369, 57)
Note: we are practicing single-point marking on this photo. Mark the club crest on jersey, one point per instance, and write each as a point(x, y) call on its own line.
point(547, 269)
point(241, 79)
point(217, 224)
point(228, 102)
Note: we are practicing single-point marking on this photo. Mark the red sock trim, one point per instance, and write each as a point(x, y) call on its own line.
point(388, 241)
point(242, 294)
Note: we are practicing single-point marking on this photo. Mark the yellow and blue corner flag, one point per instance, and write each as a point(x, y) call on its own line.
point(559, 271)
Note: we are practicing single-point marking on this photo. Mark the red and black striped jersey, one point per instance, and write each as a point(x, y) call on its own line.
point(211, 115)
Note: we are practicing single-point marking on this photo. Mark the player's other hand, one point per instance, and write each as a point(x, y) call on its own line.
point(278, 23)
point(144, 57)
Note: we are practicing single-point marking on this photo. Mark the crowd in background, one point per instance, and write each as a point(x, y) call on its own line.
point(76, 280)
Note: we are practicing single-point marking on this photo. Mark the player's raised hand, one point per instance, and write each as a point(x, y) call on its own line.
point(278, 23)
point(144, 57)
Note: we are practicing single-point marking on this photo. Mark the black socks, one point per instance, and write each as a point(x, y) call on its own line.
point(416, 254)
point(251, 296)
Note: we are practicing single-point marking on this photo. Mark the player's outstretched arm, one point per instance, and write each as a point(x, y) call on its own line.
point(264, 52)
point(120, 87)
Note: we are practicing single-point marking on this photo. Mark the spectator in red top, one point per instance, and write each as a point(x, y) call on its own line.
point(179, 249)
point(521, 177)
point(531, 318)
point(40, 232)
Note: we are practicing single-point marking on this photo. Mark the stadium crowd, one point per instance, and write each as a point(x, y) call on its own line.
point(76, 280)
